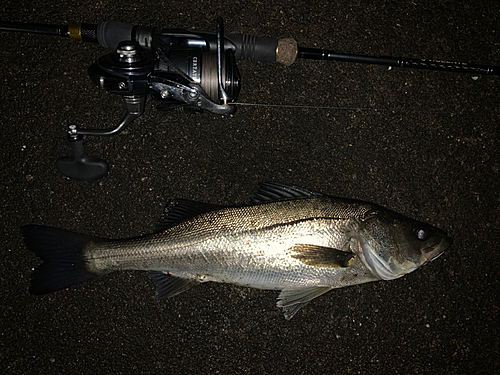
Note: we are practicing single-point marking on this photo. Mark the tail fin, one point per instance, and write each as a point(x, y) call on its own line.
point(63, 264)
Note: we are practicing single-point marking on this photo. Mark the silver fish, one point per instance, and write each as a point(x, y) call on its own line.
point(291, 239)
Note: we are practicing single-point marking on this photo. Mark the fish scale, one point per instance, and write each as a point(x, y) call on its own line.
point(249, 253)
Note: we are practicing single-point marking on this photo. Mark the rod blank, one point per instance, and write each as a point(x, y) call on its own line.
point(86, 32)
point(402, 62)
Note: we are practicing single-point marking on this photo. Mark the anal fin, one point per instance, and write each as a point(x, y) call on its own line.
point(291, 300)
point(168, 285)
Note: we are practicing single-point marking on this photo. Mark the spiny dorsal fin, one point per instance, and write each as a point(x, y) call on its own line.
point(178, 210)
point(320, 256)
point(291, 300)
point(169, 286)
point(272, 191)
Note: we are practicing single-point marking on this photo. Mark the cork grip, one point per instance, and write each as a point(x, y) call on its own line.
point(286, 52)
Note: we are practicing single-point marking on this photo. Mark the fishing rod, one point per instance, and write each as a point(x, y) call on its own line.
point(190, 69)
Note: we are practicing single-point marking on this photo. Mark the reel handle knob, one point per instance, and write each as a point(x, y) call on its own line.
point(80, 166)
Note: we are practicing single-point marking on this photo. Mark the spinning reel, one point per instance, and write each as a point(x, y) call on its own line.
point(192, 69)
point(177, 75)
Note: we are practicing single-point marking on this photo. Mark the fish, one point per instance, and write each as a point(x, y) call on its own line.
point(287, 238)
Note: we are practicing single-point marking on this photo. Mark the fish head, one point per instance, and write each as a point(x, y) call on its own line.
point(391, 245)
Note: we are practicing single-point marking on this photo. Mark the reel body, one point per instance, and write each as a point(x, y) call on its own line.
point(178, 76)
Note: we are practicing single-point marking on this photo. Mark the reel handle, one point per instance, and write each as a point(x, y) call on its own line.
point(82, 167)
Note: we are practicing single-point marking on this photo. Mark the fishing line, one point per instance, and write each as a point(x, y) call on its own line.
point(393, 110)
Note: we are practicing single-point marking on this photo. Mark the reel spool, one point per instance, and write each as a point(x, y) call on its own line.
point(204, 80)
point(198, 70)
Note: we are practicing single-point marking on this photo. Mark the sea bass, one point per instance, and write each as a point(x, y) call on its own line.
point(287, 238)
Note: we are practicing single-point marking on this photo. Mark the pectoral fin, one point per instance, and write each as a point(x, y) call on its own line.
point(320, 256)
point(291, 300)
point(169, 286)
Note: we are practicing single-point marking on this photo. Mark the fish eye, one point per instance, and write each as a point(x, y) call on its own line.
point(421, 233)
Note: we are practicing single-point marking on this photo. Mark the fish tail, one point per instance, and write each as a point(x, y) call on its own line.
point(64, 264)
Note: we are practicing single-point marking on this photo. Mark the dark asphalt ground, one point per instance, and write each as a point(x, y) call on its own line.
point(425, 144)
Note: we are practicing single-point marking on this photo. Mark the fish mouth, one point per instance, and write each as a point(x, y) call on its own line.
point(437, 250)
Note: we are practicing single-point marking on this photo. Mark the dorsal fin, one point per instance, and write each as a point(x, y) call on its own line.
point(272, 191)
point(178, 210)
